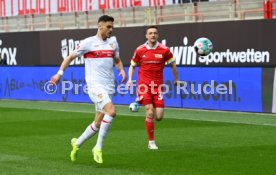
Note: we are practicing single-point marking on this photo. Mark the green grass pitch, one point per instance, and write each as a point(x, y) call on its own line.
point(35, 140)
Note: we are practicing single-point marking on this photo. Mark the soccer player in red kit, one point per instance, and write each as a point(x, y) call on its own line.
point(151, 58)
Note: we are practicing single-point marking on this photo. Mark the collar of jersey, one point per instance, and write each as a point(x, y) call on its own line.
point(100, 40)
point(154, 47)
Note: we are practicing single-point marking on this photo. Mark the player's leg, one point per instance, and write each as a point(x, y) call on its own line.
point(149, 121)
point(149, 124)
point(145, 98)
point(158, 104)
point(90, 131)
point(158, 113)
point(110, 113)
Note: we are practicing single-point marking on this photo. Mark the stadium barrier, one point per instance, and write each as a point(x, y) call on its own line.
point(235, 89)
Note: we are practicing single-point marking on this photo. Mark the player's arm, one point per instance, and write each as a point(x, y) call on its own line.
point(171, 61)
point(80, 50)
point(120, 67)
point(66, 62)
point(117, 61)
point(134, 62)
point(130, 75)
point(175, 73)
point(131, 70)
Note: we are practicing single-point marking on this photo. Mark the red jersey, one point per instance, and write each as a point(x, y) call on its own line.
point(152, 62)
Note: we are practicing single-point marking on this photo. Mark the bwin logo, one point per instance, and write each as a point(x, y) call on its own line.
point(67, 47)
point(184, 55)
point(8, 54)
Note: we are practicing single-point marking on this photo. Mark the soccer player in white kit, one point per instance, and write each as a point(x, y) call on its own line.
point(101, 52)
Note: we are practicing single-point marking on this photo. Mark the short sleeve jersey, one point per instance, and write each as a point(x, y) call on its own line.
point(152, 62)
point(99, 58)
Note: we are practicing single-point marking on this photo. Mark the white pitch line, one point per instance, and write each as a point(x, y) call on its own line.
point(141, 115)
point(169, 108)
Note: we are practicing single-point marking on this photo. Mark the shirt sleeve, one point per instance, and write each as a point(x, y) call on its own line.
point(115, 45)
point(169, 57)
point(82, 48)
point(135, 59)
point(117, 49)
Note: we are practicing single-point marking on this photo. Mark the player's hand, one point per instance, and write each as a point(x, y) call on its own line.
point(123, 74)
point(175, 82)
point(129, 83)
point(180, 83)
point(55, 79)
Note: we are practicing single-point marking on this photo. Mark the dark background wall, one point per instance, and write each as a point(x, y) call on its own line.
point(44, 48)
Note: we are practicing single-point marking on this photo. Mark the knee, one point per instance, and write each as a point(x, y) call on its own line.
point(159, 118)
point(149, 112)
point(111, 111)
point(98, 124)
point(159, 114)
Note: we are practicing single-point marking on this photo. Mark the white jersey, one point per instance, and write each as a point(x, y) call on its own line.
point(99, 58)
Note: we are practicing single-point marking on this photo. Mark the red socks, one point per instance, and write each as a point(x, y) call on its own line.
point(149, 123)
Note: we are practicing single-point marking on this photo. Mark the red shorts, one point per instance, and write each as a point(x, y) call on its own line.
point(147, 96)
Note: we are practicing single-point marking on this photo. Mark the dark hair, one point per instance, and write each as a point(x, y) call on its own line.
point(151, 27)
point(105, 18)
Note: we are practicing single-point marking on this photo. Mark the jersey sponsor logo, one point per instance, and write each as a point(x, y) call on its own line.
point(96, 53)
point(100, 54)
point(152, 62)
point(158, 55)
point(8, 54)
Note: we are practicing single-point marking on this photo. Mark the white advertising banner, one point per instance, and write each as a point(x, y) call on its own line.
point(27, 7)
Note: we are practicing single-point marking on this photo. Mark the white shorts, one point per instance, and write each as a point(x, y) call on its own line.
point(100, 99)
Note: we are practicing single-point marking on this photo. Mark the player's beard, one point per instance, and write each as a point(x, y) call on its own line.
point(109, 34)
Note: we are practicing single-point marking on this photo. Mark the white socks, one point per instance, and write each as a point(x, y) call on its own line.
point(90, 131)
point(105, 125)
